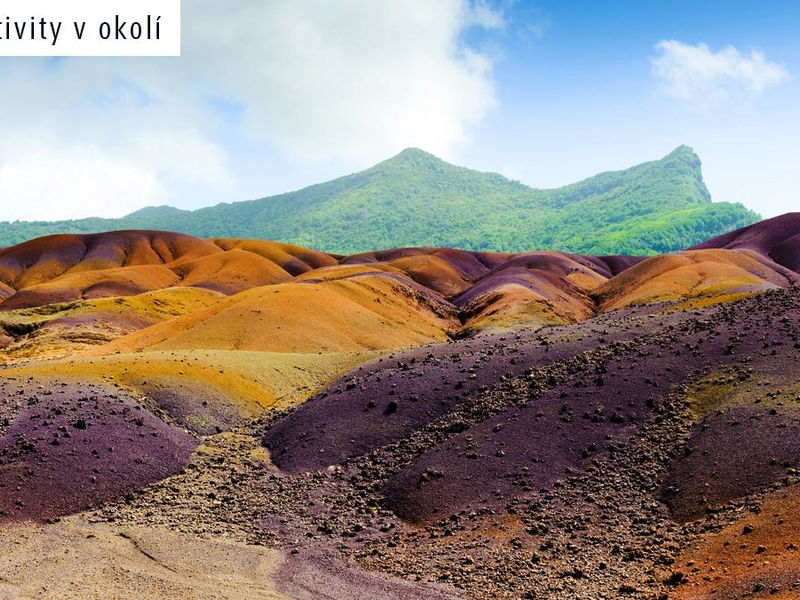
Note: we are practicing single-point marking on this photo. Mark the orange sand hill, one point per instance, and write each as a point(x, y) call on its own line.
point(69, 267)
point(363, 313)
point(693, 274)
point(758, 556)
point(130, 290)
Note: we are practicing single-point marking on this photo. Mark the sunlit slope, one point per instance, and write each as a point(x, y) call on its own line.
point(57, 330)
point(693, 274)
point(756, 556)
point(204, 389)
point(363, 313)
point(150, 290)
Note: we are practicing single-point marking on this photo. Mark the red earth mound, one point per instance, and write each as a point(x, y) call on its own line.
point(756, 556)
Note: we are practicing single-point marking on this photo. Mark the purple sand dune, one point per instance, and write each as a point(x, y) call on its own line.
point(392, 397)
point(105, 289)
point(618, 263)
point(69, 447)
point(354, 415)
point(32, 298)
point(731, 454)
point(556, 262)
point(534, 445)
point(578, 416)
point(568, 426)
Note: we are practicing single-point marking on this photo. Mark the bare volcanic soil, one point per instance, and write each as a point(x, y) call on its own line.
point(588, 393)
point(574, 462)
point(540, 425)
point(69, 447)
point(147, 290)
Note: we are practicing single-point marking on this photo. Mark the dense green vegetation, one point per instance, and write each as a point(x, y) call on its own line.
point(415, 199)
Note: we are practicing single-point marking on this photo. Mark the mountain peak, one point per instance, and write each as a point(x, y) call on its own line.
point(684, 152)
point(413, 152)
point(683, 148)
point(415, 156)
point(157, 211)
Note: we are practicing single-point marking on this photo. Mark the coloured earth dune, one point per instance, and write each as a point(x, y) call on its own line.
point(222, 418)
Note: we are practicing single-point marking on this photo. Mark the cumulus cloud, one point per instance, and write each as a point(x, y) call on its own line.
point(46, 183)
point(697, 74)
point(351, 80)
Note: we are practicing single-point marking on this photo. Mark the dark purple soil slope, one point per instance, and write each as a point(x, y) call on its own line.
point(618, 263)
point(69, 447)
point(476, 423)
point(392, 397)
point(733, 453)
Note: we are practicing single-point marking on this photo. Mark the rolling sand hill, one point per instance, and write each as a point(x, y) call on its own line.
point(408, 423)
point(693, 274)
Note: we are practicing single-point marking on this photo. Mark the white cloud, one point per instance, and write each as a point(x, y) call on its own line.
point(703, 77)
point(69, 182)
point(350, 81)
point(481, 13)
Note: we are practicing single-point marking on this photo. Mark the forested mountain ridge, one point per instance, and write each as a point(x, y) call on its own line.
point(416, 199)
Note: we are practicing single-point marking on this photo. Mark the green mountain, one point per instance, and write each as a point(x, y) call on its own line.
point(416, 199)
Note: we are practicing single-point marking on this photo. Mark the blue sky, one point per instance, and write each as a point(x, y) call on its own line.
point(275, 95)
point(583, 97)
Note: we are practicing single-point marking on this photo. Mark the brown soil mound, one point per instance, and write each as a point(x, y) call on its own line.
point(757, 556)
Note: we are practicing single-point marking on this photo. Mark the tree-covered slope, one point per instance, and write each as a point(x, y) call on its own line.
point(415, 199)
